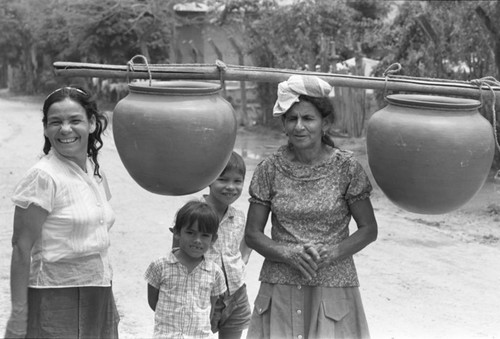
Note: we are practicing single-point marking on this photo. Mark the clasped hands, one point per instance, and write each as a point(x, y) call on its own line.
point(309, 258)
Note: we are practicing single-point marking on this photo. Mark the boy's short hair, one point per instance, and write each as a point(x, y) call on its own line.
point(235, 163)
point(197, 211)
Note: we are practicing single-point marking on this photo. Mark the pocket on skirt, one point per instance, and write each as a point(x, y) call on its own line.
point(336, 310)
point(262, 304)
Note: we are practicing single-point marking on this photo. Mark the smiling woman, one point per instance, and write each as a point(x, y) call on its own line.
point(60, 271)
point(68, 129)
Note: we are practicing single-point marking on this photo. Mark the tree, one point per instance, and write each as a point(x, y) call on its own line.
point(298, 36)
point(491, 27)
point(19, 26)
point(441, 39)
point(36, 33)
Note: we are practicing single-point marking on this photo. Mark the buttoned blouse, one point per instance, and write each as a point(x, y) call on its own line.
point(183, 308)
point(310, 204)
point(227, 248)
point(73, 247)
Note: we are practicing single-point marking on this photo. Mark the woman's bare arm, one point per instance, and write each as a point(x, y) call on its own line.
point(27, 229)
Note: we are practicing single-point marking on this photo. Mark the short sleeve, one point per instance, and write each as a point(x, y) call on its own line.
point(36, 187)
point(260, 186)
point(106, 186)
point(153, 274)
point(220, 282)
point(360, 187)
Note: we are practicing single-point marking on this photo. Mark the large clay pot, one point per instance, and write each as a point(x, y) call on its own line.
point(174, 137)
point(429, 154)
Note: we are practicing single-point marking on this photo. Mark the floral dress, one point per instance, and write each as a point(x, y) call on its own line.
point(309, 204)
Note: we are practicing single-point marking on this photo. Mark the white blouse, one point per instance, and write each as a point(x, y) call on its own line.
point(73, 247)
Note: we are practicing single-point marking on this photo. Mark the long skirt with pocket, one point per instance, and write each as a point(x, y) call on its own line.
point(308, 312)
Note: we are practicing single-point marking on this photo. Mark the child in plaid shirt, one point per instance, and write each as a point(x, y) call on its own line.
point(183, 286)
point(232, 311)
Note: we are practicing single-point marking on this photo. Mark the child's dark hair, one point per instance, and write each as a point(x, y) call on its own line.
point(235, 163)
point(197, 211)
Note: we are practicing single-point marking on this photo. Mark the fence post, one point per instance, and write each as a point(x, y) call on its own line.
point(241, 61)
point(178, 54)
point(196, 53)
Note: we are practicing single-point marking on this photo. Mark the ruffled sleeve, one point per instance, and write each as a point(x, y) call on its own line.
point(359, 187)
point(260, 189)
point(37, 187)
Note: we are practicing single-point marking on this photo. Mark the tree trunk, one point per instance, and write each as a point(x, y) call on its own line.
point(144, 49)
point(28, 69)
point(492, 31)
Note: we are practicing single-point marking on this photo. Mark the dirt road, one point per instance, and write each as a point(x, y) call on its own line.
point(425, 276)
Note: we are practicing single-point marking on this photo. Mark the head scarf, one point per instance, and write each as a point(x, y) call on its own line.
point(290, 90)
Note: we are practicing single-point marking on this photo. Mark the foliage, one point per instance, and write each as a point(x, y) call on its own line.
point(300, 36)
point(36, 33)
point(429, 38)
point(294, 33)
point(440, 39)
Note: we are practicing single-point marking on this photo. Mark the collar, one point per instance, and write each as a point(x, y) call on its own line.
point(172, 260)
point(72, 164)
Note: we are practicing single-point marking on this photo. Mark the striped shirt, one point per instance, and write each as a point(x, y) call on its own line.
point(73, 247)
point(227, 248)
point(183, 308)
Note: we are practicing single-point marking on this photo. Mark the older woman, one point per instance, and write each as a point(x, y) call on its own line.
point(309, 284)
point(60, 272)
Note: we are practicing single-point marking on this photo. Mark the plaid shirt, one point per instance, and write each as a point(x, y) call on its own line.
point(183, 308)
point(227, 247)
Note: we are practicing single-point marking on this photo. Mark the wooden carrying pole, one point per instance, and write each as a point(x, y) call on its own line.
point(262, 74)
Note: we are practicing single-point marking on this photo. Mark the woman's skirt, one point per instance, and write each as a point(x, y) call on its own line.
point(76, 312)
point(307, 312)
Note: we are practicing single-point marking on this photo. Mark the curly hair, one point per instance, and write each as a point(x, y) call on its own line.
point(85, 99)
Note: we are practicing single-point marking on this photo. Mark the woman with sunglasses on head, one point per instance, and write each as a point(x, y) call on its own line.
point(60, 270)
